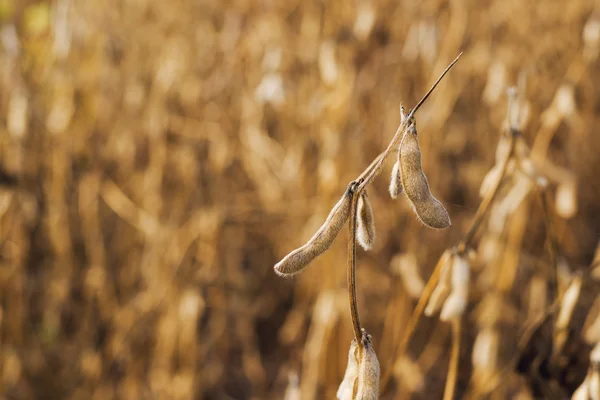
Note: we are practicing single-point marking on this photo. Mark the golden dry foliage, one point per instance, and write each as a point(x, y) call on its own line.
point(157, 158)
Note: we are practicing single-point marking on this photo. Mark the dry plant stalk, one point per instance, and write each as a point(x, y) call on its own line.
point(354, 205)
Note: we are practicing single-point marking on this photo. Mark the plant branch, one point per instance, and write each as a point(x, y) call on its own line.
point(415, 316)
point(351, 268)
point(362, 182)
point(488, 199)
point(553, 242)
point(454, 357)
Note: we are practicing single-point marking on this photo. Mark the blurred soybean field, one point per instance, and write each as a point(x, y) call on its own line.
point(157, 158)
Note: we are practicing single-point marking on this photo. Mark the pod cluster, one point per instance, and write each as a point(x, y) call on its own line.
point(361, 380)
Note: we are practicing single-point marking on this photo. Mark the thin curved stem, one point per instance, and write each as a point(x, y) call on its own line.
point(351, 270)
point(488, 200)
point(363, 181)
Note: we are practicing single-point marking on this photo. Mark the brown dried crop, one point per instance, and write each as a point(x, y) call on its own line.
point(298, 259)
point(348, 386)
point(158, 158)
point(395, 188)
point(365, 234)
point(368, 371)
point(427, 208)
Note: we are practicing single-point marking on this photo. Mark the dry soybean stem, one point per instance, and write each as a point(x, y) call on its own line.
point(554, 251)
point(454, 357)
point(414, 318)
point(363, 181)
point(351, 271)
point(487, 201)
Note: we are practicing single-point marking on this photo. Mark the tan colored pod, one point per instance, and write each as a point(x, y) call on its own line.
point(396, 181)
point(427, 208)
point(368, 371)
point(366, 223)
point(346, 389)
point(455, 305)
point(298, 259)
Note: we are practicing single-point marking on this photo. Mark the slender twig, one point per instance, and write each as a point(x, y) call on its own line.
point(414, 318)
point(553, 242)
point(351, 270)
point(488, 199)
point(381, 159)
point(513, 132)
point(454, 357)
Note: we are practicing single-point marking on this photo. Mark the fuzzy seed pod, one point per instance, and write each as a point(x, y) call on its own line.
point(490, 179)
point(346, 389)
point(461, 271)
point(396, 181)
point(298, 259)
point(368, 371)
point(437, 299)
point(456, 303)
point(428, 209)
point(366, 223)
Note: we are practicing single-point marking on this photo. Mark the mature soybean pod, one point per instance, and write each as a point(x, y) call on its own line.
point(368, 372)
point(396, 180)
point(366, 222)
point(298, 259)
point(429, 210)
point(346, 389)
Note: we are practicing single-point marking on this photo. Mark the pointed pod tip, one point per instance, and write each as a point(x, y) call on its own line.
point(279, 271)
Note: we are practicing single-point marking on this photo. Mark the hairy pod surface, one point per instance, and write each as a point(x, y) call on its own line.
point(346, 389)
point(456, 303)
point(396, 180)
point(298, 259)
point(366, 223)
point(368, 371)
point(427, 208)
point(461, 272)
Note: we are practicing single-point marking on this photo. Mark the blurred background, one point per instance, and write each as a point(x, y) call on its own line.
point(157, 158)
